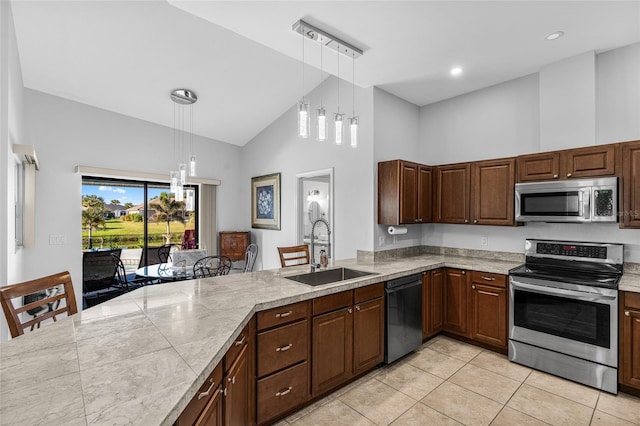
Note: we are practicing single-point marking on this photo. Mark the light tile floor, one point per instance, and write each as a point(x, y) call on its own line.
point(447, 382)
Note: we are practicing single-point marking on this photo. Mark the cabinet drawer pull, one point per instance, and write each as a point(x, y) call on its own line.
point(284, 348)
point(488, 278)
point(473, 287)
point(284, 392)
point(568, 174)
point(241, 341)
point(284, 314)
point(627, 313)
point(203, 394)
point(555, 176)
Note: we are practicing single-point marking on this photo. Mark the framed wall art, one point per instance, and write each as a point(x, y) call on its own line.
point(265, 201)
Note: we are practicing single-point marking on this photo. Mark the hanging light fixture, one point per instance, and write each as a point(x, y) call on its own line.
point(182, 99)
point(353, 121)
point(326, 40)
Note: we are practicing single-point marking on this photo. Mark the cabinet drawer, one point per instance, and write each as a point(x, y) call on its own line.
point(497, 280)
point(282, 347)
point(202, 396)
point(332, 302)
point(282, 391)
point(241, 341)
point(369, 292)
point(282, 315)
point(631, 300)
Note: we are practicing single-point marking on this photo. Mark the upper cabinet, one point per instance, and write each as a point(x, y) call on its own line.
point(568, 164)
point(404, 193)
point(492, 192)
point(452, 191)
point(630, 182)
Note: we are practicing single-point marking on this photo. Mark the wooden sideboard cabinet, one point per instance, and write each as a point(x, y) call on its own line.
point(234, 244)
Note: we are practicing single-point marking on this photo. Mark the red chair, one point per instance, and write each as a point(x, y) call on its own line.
point(189, 239)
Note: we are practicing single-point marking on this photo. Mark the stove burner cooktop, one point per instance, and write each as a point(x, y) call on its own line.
point(567, 275)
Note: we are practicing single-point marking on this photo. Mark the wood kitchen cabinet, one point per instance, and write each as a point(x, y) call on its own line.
point(630, 185)
point(452, 191)
point(282, 360)
point(227, 395)
point(492, 192)
point(593, 161)
point(455, 301)
point(432, 302)
point(488, 298)
point(404, 193)
point(347, 336)
point(629, 373)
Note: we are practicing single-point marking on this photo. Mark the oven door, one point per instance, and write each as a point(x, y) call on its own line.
point(580, 321)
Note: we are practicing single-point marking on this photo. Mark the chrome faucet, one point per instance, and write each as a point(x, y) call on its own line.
point(313, 238)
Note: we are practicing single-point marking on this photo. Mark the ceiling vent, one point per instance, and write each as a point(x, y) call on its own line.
point(28, 154)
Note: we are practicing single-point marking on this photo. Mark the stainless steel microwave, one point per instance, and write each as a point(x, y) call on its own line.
point(577, 200)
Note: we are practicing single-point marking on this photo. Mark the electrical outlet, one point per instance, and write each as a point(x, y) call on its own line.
point(484, 241)
point(381, 240)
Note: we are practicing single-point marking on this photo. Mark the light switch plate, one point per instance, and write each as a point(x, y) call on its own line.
point(484, 241)
point(55, 240)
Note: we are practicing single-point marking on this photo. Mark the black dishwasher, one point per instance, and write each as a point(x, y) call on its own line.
point(403, 304)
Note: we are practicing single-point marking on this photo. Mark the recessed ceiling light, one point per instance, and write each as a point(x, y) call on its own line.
point(554, 36)
point(456, 71)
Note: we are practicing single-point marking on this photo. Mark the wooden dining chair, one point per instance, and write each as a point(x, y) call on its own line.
point(41, 298)
point(294, 255)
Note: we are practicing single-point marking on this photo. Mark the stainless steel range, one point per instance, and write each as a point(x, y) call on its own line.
point(563, 311)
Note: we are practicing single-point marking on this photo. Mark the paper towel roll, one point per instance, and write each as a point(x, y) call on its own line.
point(397, 230)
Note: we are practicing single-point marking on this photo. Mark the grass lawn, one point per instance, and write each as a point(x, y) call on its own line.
point(120, 233)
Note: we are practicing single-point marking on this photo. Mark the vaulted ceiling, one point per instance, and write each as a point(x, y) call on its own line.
point(244, 61)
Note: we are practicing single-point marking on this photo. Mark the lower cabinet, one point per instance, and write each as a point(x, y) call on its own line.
point(488, 298)
point(629, 373)
point(455, 301)
point(227, 395)
point(348, 336)
point(432, 302)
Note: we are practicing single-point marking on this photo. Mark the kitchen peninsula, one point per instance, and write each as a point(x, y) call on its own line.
point(140, 358)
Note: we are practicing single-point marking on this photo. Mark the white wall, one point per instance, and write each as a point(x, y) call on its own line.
point(277, 149)
point(568, 103)
point(396, 129)
point(454, 126)
point(11, 132)
point(499, 121)
point(67, 133)
point(618, 92)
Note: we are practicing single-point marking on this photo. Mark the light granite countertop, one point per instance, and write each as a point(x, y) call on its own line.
point(140, 358)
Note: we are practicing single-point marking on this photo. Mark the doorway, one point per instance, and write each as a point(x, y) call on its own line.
point(315, 201)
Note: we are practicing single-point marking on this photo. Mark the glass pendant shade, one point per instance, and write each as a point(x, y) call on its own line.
point(353, 127)
point(174, 181)
point(304, 120)
point(191, 200)
point(339, 128)
point(179, 194)
point(323, 125)
point(182, 168)
point(192, 166)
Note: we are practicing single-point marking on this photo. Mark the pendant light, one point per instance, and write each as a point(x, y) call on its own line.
point(322, 125)
point(353, 121)
point(338, 121)
point(182, 99)
point(304, 120)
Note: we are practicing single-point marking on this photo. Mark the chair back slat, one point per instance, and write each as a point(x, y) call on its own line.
point(294, 255)
point(211, 266)
point(49, 292)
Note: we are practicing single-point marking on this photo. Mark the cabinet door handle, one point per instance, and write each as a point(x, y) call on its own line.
point(203, 394)
point(568, 174)
point(284, 392)
point(473, 287)
point(475, 220)
point(241, 341)
point(284, 314)
point(224, 392)
point(488, 278)
point(357, 307)
point(466, 221)
point(463, 272)
point(284, 348)
point(627, 313)
point(350, 310)
point(555, 176)
point(232, 380)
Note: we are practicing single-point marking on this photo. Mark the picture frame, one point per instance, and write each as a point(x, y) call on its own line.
point(265, 202)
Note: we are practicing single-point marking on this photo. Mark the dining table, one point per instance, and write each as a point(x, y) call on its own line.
point(166, 272)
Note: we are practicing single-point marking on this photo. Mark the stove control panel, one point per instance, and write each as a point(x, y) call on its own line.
point(572, 250)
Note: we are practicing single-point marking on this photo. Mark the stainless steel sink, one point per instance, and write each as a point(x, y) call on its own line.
point(329, 276)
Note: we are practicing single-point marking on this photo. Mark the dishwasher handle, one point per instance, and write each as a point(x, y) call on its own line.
point(402, 283)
